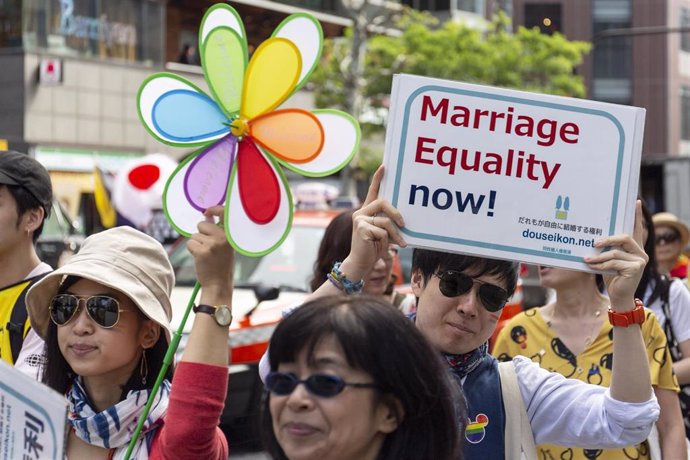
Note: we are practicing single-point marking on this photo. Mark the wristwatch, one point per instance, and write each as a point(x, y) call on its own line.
point(222, 313)
point(627, 318)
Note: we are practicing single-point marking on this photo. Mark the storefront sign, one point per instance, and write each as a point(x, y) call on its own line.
point(510, 174)
point(99, 29)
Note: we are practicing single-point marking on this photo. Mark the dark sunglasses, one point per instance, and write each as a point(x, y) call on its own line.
point(102, 309)
point(667, 238)
point(323, 385)
point(454, 283)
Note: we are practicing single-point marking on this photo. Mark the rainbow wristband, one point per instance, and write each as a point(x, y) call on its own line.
point(340, 281)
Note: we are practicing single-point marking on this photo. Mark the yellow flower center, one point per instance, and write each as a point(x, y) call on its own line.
point(239, 127)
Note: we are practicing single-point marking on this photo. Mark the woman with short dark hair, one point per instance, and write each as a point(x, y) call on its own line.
point(353, 378)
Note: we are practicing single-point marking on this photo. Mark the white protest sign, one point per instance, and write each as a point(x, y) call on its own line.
point(32, 418)
point(510, 174)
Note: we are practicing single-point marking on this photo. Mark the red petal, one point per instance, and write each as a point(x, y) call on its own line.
point(258, 184)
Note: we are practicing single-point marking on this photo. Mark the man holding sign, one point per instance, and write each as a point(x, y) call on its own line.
point(459, 302)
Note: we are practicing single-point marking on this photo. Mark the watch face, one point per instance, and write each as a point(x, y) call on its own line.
point(223, 316)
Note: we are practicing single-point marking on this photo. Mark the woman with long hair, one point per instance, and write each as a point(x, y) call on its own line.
point(105, 317)
point(335, 246)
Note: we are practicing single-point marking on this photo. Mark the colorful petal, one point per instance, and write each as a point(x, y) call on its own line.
point(341, 142)
point(178, 113)
point(180, 213)
point(271, 76)
point(292, 135)
point(259, 189)
point(305, 32)
point(206, 179)
point(224, 60)
point(221, 15)
point(247, 236)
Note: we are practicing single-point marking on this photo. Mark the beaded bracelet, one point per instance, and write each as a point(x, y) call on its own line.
point(340, 281)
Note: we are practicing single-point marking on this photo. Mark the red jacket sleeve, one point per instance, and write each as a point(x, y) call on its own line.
point(190, 429)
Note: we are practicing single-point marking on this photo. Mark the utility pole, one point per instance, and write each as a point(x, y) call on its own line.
point(364, 14)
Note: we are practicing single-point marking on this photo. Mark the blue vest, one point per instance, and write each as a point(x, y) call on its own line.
point(485, 432)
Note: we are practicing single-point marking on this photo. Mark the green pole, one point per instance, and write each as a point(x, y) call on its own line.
point(167, 361)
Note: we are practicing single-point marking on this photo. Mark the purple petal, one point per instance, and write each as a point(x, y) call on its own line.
point(206, 181)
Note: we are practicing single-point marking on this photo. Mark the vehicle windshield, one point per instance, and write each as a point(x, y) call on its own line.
point(288, 267)
point(58, 225)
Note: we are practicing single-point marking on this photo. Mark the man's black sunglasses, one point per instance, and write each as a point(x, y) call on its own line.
point(454, 283)
point(322, 385)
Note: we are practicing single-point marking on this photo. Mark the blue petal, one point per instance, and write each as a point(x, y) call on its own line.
point(186, 116)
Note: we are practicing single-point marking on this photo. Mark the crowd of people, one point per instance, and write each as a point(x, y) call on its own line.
point(358, 371)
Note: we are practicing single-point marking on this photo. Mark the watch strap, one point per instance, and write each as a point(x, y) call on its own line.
point(202, 308)
point(627, 318)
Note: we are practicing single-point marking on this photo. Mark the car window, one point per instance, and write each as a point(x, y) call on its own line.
point(289, 266)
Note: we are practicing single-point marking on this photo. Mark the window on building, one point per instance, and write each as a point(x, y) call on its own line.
point(685, 113)
point(10, 24)
point(441, 5)
point(130, 30)
point(685, 22)
point(612, 55)
point(545, 16)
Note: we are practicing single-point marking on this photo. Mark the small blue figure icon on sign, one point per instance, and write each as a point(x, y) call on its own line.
point(562, 207)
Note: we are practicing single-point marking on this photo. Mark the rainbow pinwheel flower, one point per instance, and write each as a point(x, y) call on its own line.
point(243, 137)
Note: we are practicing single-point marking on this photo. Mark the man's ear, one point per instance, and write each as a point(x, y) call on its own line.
point(391, 414)
point(417, 282)
point(32, 219)
point(151, 332)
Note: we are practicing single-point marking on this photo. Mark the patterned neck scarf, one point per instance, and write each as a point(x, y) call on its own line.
point(461, 365)
point(113, 428)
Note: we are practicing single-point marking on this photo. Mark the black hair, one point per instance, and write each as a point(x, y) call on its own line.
point(380, 341)
point(430, 262)
point(335, 246)
point(650, 275)
point(26, 202)
point(58, 374)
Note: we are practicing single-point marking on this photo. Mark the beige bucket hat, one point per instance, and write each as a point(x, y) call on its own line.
point(670, 220)
point(121, 258)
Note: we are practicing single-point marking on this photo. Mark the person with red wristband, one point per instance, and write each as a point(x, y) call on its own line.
point(513, 405)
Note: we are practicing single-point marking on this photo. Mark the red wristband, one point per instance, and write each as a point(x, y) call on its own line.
point(626, 318)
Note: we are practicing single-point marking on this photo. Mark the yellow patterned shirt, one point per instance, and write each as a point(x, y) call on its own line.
point(527, 334)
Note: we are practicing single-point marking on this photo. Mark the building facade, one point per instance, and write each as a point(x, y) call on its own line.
point(72, 69)
point(647, 65)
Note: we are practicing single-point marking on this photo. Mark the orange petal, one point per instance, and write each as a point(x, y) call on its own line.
point(292, 135)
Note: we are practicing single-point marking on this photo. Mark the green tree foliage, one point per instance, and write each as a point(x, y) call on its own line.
point(525, 59)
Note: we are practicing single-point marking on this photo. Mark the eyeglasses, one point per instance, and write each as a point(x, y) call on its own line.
point(102, 309)
point(664, 238)
point(322, 385)
point(454, 283)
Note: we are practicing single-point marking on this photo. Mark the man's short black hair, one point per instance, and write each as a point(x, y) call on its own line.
point(430, 262)
point(28, 182)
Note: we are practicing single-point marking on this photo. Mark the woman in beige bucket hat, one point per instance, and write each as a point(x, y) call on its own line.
point(105, 317)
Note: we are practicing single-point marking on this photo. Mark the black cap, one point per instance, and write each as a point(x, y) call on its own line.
point(22, 170)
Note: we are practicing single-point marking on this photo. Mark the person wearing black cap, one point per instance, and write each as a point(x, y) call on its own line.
point(25, 201)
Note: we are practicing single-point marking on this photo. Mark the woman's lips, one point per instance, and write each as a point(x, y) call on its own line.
point(300, 429)
point(80, 349)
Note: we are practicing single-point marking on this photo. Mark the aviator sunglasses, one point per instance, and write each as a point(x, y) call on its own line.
point(323, 385)
point(102, 309)
point(454, 283)
point(664, 238)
